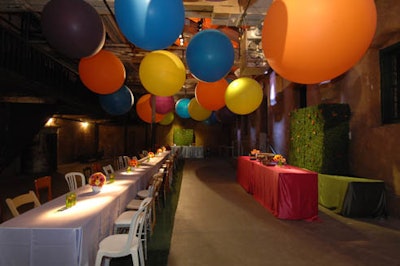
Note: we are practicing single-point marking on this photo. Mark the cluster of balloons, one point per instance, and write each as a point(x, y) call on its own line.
point(75, 29)
point(153, 26)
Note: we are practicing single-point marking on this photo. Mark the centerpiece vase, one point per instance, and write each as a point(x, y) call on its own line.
point(96, 189)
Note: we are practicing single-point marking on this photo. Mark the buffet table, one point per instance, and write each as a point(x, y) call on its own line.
point(186, 152)
point(288, 192)
point(352, 196)
point(53, 235)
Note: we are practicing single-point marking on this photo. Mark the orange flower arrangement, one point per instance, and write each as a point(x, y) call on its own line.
point(97, 179)
point(279, 159)
point(159, 150)
point(151, 154)
point(254, 151)
point(133, 162)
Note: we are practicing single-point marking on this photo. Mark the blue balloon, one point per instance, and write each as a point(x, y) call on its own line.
point(212, 119)
point(181, 108)
point(210, 55)
point(117, 103)
point(150, 25)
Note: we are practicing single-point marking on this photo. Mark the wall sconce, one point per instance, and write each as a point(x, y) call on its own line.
point(84, 125)
point(51, 122)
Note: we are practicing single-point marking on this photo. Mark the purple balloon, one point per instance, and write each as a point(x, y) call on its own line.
point(225, 116)
point(164, 104)
point(73, 27)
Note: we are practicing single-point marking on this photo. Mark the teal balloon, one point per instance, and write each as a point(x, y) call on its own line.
point(181, 108)
point(150, 25)
point(117, 103)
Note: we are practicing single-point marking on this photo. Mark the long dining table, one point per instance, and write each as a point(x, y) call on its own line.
point(55, 235)
point(288, 192)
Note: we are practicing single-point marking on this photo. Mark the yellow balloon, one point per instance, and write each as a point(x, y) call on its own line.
point(196, 111)
point(168, 119)
point(162, 73)
point(243, 96)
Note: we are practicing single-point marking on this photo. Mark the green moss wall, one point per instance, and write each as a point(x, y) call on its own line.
point(319, 138)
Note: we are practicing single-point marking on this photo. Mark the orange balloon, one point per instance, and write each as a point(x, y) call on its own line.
point(312, 41)
point(102, 73)
point(211, 95)
point(144, 110)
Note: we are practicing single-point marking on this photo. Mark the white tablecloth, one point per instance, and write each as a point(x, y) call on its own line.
point(52, 235)
point(189, 151)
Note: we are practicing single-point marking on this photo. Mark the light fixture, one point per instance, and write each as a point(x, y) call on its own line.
point(84, 125)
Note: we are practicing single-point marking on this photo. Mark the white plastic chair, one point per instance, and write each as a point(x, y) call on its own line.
point(121, 162)
point(121, 245)
point(124, 219)
point(75, 180)
point(108, 169)
point(126, 160)
point(27, 198)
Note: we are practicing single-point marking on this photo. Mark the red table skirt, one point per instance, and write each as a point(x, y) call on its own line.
point(288, 192)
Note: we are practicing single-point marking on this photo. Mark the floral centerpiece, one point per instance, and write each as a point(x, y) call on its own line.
point(150, 154)
point(159, 150)
point(279, 159)
point(253, 154)
point(97, 180)
point(132, 163)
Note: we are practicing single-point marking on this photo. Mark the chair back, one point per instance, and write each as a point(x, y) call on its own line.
point(126, 160)
point(87, 172)
point(75, 180)
point(108, 170)
point(137, 222)
point(43, 183)
point(121, 162)
point(21, 200)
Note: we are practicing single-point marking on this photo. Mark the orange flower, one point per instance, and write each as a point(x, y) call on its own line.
point(97, 179)
point(133, 162)
point(279, 159)
point(151, 154)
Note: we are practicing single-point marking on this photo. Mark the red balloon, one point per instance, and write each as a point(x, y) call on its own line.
point(144, 110)
point(311, 41)
point(102, 73)
point(211, 95)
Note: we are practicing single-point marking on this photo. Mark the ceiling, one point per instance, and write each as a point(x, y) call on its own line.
point(236, 18)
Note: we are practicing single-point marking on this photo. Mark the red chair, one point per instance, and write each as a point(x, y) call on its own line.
point(44, 183)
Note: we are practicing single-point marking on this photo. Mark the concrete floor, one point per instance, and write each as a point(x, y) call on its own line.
point(218, 223)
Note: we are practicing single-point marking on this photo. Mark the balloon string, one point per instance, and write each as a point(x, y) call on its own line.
point(243, 15)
